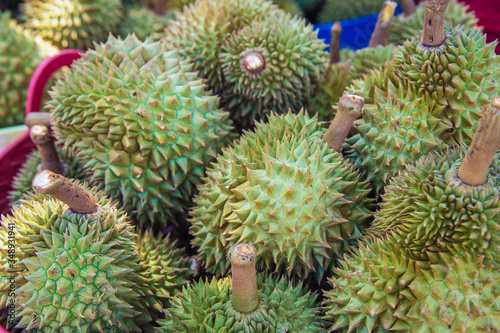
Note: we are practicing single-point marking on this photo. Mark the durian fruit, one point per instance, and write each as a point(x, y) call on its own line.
point(405, 27)
point(336, 10)
point(142, 121)
point(74, 24)
point(380, 289)
point(243, 303)
point(167, 264)
point(284, 189)
point(20, 53)
point(75, 261)
point(144, 23)
point(290, 6)
point(271, 65)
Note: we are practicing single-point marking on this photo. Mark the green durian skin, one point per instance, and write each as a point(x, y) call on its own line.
point(143, 122)
point(336, 10)
point(428, 210)
point(20, 53)
point(73, 272)
point(379, 289)
point(403, 28)
point(282, 189)
point(73, 24)
point(143, 23)
point(207, 307)
point(290, 73)
point(290, 6)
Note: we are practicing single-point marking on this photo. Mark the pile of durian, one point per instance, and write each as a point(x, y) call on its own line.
point(206, 166)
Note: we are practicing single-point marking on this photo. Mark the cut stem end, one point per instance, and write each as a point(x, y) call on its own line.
point(40, 135)
point(379, 36)
point(433, 33)
point(245, 293)
point(335, 43)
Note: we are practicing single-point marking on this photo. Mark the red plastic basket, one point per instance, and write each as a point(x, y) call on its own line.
point(14, 155)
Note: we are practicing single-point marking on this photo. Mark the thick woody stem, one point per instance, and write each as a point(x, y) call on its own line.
point(483, 148)
point(37, 118)
point(160, 8)
point(78, 199)
point(409, 7)
point(349, 108)
point(379, 36)
point(245, 293)
point(40, 135)
point(335, 43)
point(435, 11)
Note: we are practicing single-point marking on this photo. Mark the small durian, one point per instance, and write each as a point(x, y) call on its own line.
point(142, 121)
point(336, 10)
point(20, 53)
point(271, 65)
point(143, 23)
point(75, 260)
point(243, 303)
point(74, 24)
point(285, 188)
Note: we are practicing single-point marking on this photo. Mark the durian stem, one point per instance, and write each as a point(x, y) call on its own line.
point(78, 199)
point(379, 36)
point(484, 146)
point(335, 43)
point(40, 135)
point(245, 293)
point(160, 8)
point(435, 11)
point(409, 7)
point(37, 118)
point(349, 108)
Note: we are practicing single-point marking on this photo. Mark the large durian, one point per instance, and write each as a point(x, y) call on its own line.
point(73, 23)
point(142, 121)
point(76, 268)
point(143, 23)
point(282, 188)
point(336, 10)
point(243, 303)
point(20, 53)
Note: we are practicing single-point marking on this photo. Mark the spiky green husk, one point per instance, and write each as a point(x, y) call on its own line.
point(207, 307)
point(144, 23)
point(289, 6)
point(293, 58)
point(166, 263)
point(364, 60)
point(73, 24)
point(22, 181)
point(428, 210)
point(336, 10)
point(403, 28)
point(75, 273)
point(380, 289)
point(20, 53)
point(142, 121)
point(282, 189)
point(201, 29)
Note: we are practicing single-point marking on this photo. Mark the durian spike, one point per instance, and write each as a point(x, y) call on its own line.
point(483, 148)
point(349, 108)
point(40, 135)
point(160, 7)
point(335, 43)
point(37, 118)
point(435, 11)
point(78, 199)
point(379, 36)
point(245, 296)
point(409, 7)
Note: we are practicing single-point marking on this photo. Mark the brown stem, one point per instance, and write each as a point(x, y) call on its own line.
point(160, 8)
point(483, 148)
point(335, 43)
point(409, 7)
point(379, 36)
point(435, 11)
point(349, 108)
point(37, 118)
point(40, 135)
point(78, 199)
point(245, 293)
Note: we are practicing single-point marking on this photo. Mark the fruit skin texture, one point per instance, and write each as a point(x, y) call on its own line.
point(75, 273)
point(20, 53)
point(380, 289)
point(290, 6)
point(336, 10)
point(144, 23)
point(428, 210)
point(283, 190)
point(293, 58)
point(207, 307)
point(403, 28)
point(142, 122)
point(74, 24)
